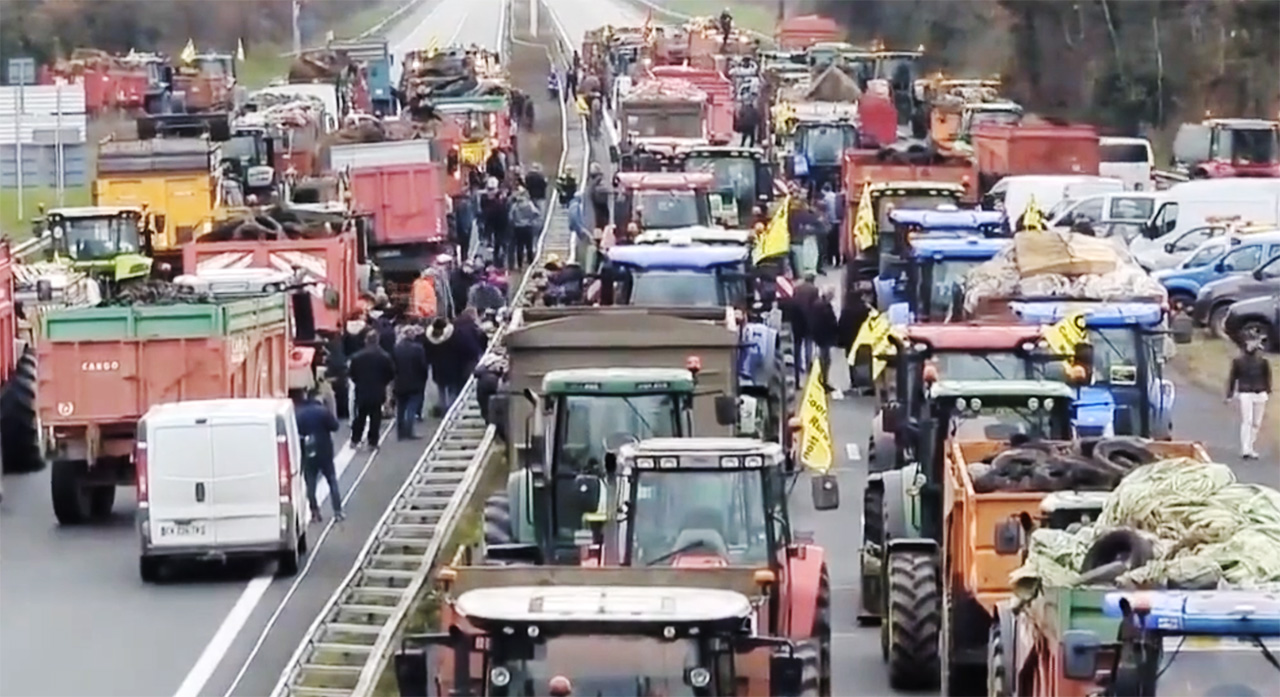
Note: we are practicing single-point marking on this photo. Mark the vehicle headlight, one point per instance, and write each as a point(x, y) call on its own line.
point(500, 677)
point(699, 677)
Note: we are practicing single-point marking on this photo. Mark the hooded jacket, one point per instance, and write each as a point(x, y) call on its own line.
point(451, 354)
point(371, 371)
point(412, 369)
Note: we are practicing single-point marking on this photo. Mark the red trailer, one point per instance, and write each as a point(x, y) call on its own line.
point(1034, 148)
point(871, 166)
point(330, 262)
point(800, 33)
point(19, 435)
point(720, 98)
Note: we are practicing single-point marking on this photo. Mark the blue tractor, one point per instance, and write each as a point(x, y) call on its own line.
point(1125, 392)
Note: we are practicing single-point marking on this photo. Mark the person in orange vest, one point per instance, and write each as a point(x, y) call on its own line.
point(422, 297)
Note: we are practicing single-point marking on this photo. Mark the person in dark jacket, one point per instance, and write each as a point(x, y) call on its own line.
point(497, 220)
point(412, 372)
point(824, 331)
point(567, 186)
point(496, 165)
point(335, 371)
point(489, 375)
point(1249, 382)
point(371, 372)
point(525, 217)
point(800, 311)
point(461, 278)
point(853, 313)
point(536, 182)
point(316, 426)
point(467, 325)
point(447, 366)
point(598, 193)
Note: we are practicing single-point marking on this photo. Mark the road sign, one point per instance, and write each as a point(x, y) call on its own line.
point(22, 71)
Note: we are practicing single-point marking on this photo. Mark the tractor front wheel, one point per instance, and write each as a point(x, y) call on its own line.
point(914, 621)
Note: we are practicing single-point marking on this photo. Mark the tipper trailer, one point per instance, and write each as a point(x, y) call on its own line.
point(19, 430)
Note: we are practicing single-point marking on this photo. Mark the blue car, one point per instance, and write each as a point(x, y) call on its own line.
point(1215, 259)
point(1127, 394)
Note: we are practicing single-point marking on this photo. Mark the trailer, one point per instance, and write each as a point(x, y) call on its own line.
point(104, 367)
point(1034, 148)
point(19, 430)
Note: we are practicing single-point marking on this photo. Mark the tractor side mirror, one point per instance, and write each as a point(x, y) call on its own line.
point(331, 299)
point(614, 156)
point(1169, 247)
point(587, 489)
point(44, 290)
point(1182, 329)
point(1009, 537)
point(826, 493)
point(786, 675)
point(726, 410)
point(1079, 655)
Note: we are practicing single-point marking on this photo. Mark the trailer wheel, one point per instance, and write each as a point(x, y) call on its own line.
point(102, 499)
point(997, 680)
point(914, 621)
point(19, 429)
point(822, 632)
point(72, 504)
point(497, 520)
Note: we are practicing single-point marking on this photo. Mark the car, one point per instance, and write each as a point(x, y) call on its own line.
point(1169, 250)
point(1217, 297)
point(1129, 207)
point(1255, 318)
point(1217, 258)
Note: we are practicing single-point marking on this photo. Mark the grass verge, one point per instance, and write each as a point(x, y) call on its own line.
point(469, 530)
point(20, 229)
point(1206, 362)
point(758, 16)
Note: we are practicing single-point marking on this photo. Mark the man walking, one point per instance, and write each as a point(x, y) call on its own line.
point(1250, 383)
point(371, 372)
point(525, 217)
point(411, 379)
point(316, 426)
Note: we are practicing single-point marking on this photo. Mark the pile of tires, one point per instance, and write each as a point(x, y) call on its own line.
point(1089, 464)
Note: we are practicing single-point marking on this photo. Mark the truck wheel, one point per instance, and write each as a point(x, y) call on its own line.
point(288, 560)
point(101, 500)
point(497, 520)
point(822, 632)
point(149, 569)
point(997, 681)
point(914, 621)
point(72, 503)
point(811, 673)
point(19, 431)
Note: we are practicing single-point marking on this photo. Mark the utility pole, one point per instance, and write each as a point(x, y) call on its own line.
point(533, 17)
point(782, 10)
point(297, 30)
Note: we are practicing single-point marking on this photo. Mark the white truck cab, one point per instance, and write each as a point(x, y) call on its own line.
point(220, 478)
point(1128, 159)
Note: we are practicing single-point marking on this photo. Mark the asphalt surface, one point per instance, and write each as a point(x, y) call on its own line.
point(857, 666)
point(78, 621)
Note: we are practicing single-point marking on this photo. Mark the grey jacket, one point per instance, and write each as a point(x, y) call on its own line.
point(524, 213)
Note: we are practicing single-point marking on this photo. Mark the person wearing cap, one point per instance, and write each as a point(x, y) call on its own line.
point(1249, 382)
point(567, 186)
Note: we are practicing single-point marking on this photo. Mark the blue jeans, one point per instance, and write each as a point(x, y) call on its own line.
point(311, 472)
point(408, 407)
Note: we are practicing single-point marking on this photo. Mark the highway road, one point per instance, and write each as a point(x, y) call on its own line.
point(857, 665)
point(78, 621)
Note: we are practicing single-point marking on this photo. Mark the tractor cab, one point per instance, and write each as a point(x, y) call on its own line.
point(1228, 148)
point(111, 244)
point(742, 178)
point(1124, 351)
point(901, 70)
point(677, 275)
point(820, 134)
point(485, 125)
point(997, 113)
point(662, 200)
point(885, 198)
point(247, 158)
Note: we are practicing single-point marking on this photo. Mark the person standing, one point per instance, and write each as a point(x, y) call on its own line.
point(1249, 382)
point(824, 330)
point(371, 372)
point(801, 308)
point(598, 191)
point(316, 426)
point(411, 379)
point(536, 182)
point(525, 217)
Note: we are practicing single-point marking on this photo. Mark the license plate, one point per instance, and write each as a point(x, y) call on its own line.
point(178, 530)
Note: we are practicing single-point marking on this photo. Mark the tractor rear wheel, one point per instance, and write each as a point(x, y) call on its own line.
point(997, 681)
point(914, 621)
point(19, 429)
point(811, 673)
point(822, 632)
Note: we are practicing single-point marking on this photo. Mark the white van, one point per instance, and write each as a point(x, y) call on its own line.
point(1012, 194)
point(1128, 159)
point(1191, 204)
point(221, 478)
point(1127, 207)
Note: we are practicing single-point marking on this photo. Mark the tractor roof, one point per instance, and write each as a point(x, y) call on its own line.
point(659, 181)
point(701, 453)
point(941, 219)
point(1096, 314)
point(957, 337)
point(1001, 388)
point(655, 606)
point(677, 257)
point(697, 234)
point(614, 381)
point(915, 185)
point(956, 247)
point(94, 211)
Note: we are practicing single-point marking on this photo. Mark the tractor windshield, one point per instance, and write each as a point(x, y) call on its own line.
point(824, 144)
point(1002, 418)
point(587, 421)
point(699, 513)
point(1253, 145)
point(937, 283)
point(732, 174)
point(100, 237)
point(1196, 666)
point(993, 365)
point(667, 209)
point(605, 665)
point(1116, 352)
point(719, 287)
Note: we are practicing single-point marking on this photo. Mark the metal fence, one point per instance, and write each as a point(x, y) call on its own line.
point(43, 131)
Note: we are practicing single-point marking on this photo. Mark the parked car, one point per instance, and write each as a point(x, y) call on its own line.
point(1217, 258)
point(1167, 251)
point(1255, 318)
point(1126, 207)
point(1216, 298)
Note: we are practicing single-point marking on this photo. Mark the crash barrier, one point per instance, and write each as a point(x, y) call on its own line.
point(346, 648)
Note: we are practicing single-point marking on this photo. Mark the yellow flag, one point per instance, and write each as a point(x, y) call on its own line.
point(582, 106)
point(875, 335)
point(816, 450)
point(433, 46)
point(777, 236)
point(1066, 334)
point(864, 223)
point(1033, 218)
point(188, 54)
point(240, 50)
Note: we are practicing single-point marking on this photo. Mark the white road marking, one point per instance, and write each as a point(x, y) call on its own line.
point(852, 453)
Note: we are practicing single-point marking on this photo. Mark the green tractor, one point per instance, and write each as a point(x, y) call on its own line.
point(111, 244)
point(580, 416)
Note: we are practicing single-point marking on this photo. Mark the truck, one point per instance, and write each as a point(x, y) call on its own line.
point(802, 32)
point(973, 518)
point(1217, 148)
point(103, 367)
point(131, 83)
point(402, 184)
point(720, 97)
point(1033, 147)
point(19, 427)
point(661, 116)
point(860, 167)
point(375, 59)
point(662, 200)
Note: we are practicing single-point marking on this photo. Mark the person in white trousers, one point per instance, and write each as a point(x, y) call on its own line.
point(1249, 382)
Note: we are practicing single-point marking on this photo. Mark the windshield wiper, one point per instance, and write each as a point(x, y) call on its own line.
point(993, 366)
point(676, 552)
point(647, 427)
point(1111, 345)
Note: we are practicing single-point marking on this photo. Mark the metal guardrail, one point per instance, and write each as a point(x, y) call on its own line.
point(345, 650)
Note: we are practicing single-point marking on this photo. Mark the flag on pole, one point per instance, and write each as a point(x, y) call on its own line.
point(188, 54)
point(240, 50)
point(816, 449)
point(777, 236)
point(1032, 217)
point(433, 46)
point(864, 223)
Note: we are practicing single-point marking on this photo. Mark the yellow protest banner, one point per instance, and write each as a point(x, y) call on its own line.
point(864, 223)
point(776, 239)
point(1033, 217)
point(816, 451)
point(1066, 334)
point(874, 333)
point(473, 154)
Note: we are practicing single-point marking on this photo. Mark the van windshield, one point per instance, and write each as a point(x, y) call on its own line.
point(1125, 152)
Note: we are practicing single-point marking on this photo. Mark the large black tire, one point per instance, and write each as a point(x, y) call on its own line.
point(822, 632)
point(914, 621)
point(102, 499)
point(72, 502)
point(497, 520)
point(998, 684)
point(1118, 545)
point(19, 432)
point(810, 675)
